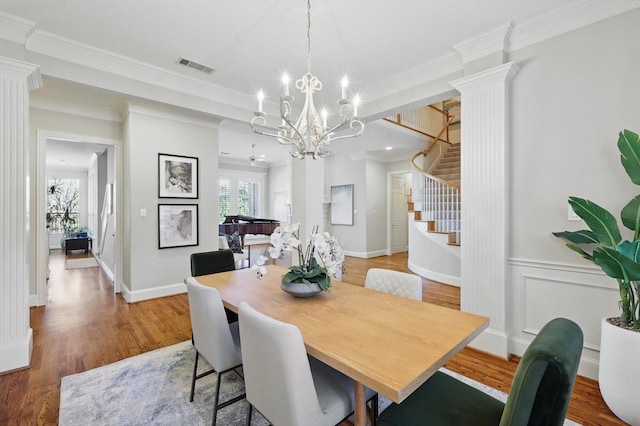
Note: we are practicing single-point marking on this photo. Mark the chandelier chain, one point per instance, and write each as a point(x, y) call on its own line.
point(309, 36)
point(309, 133)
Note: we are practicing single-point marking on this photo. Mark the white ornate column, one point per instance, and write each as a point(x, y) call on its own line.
point(484, 183)
point(16, 337)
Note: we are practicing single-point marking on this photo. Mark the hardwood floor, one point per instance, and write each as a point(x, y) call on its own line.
point(85, 325)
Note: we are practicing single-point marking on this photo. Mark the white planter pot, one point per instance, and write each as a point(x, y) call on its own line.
point(619, 372)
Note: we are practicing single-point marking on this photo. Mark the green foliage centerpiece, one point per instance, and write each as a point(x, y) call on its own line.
point(618, 259)
point(321, 247)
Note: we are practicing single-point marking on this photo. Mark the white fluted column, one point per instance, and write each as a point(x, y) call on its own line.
point(16, 337)
point(484, 179)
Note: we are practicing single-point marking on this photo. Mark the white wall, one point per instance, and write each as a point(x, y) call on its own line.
point(342, 170)
point(376, 208)
point(280, 192)
point(148, 270)
point(573, 95)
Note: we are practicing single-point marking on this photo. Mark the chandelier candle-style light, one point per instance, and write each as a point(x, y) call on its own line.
point(309, 133)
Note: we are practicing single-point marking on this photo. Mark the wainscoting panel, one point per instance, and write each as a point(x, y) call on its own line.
point(541, 291)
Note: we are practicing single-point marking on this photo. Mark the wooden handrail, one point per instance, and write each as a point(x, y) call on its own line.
point(433, 142)
point(427, 150)
point(398, 121)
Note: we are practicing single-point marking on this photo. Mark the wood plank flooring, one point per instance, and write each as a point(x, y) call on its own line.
point(85, 325)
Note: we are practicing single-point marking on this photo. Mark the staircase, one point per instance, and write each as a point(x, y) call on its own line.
point(448, 168)
point(436, 195)
point(435, 204)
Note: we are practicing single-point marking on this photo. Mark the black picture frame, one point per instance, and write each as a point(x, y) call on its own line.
point(177, 225)
point(177, 176)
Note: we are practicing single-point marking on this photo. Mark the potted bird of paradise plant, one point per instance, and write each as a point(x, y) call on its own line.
point(603, 245)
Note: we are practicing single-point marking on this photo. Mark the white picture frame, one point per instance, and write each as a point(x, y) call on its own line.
point(342, 205)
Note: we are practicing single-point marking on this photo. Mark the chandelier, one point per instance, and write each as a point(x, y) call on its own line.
point(309, 133)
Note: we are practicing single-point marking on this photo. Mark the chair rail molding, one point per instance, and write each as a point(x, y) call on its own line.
point(583, 294)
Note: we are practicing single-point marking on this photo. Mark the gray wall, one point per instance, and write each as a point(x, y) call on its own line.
point(572, 96)
point(376, 209)
point(148, 132)
point(342, 170)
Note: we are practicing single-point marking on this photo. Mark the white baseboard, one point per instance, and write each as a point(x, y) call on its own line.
point(588, 367)
point(367, 254)
point(434, 276)
point(152, 293)
point(33, 300)
point(491, 341)
point(106, 270)
point(16, 355)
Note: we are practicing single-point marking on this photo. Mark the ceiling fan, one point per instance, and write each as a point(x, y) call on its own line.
point(253, 159)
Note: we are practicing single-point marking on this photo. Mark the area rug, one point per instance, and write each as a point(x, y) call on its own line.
point(153, 388)
point(84, 262)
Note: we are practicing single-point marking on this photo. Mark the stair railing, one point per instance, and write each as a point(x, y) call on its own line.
point(438, 200)
point(104, 216)
point(416, 120)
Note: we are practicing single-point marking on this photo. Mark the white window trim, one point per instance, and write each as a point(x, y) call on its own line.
point(234, 176)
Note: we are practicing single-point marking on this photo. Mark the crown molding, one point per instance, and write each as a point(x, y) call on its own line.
point(567, 18)
point(168, 113)
point(483, 79)
point(15, 69)
point(67, 106)
point(16, 29)
point(415, 76)
point(55, 46)
point(484, 44)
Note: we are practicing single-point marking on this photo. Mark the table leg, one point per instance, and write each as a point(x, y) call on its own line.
point(360, 409)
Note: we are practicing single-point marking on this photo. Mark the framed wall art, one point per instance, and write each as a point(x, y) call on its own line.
point(342, 205)
point(177, 225)
point(177, 176)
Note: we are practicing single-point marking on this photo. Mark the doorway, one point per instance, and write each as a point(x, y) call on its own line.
point(112, 184)
point(399, 184)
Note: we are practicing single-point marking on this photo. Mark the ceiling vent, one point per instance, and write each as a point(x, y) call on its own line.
point(195, 65)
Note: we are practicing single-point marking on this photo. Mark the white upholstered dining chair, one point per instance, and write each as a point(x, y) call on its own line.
point(285, 385)
point(394, 282)
point(214, 338)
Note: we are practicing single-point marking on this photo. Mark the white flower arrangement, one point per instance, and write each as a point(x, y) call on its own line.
point(322, 246)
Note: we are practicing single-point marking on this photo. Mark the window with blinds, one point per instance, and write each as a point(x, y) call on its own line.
point(249, 198)
point(239, 195)
point(224, 197)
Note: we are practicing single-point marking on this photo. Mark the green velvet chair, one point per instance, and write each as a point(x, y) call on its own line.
point(539, 395)
point(213, 262)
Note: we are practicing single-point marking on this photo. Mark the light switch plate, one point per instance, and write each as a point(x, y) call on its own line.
point(143, 212)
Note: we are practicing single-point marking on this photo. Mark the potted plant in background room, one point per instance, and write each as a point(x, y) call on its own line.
point(308, 277)
point(619, 369)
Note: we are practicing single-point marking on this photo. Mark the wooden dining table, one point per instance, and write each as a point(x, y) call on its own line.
point(384, 342)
